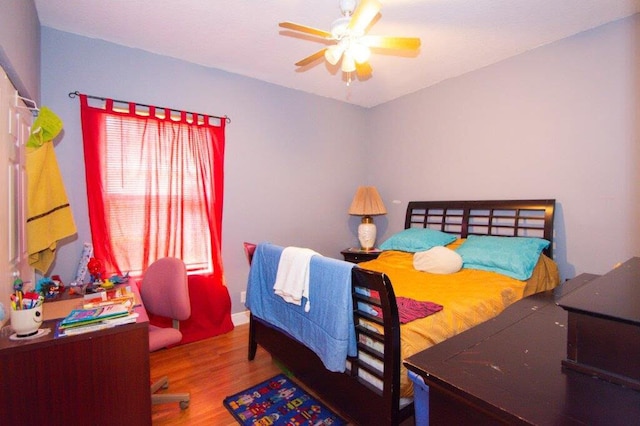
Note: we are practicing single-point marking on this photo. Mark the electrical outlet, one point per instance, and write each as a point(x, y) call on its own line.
point(243, 296)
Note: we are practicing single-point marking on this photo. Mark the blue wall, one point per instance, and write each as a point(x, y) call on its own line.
point(20, 46)
point(559, 121)
point(292, 159)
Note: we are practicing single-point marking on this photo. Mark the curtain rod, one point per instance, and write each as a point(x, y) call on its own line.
point(76, 93)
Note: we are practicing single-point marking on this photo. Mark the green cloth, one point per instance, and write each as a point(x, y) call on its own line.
point(45, 128)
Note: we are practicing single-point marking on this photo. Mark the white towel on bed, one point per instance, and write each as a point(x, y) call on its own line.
point(292, 278)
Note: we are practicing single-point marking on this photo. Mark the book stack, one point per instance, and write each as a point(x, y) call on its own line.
point(122, 295)
point(92, 319)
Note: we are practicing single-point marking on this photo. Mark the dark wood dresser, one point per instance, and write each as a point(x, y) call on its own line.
point(604, 326)
point(509, 370)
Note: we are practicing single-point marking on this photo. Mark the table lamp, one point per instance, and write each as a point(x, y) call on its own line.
point(367, 203)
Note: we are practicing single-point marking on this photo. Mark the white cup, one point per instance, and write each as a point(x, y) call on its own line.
point(26, 322)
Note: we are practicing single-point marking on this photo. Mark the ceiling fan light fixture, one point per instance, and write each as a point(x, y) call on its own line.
point(334, 53)
point(348, 63)
point(348, 42)
point(360, 52)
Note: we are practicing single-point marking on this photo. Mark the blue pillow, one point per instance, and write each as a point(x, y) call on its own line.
point(514, 257)
point(417, 239)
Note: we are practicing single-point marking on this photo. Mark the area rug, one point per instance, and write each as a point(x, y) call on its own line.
point(279, 401)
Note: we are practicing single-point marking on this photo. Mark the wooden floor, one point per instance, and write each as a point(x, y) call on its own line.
point(210, 370)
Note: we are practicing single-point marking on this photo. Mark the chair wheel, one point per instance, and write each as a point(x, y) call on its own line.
point(184, 405)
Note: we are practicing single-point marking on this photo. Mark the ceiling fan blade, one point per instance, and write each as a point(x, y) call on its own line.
point(363, 70)
point(391, 42)
point(364, 14)
point(305, 29)
point(319, 54)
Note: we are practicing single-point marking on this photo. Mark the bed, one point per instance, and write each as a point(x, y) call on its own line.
point(373, 388)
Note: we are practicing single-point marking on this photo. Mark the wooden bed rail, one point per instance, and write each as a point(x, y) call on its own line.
point(374, 288)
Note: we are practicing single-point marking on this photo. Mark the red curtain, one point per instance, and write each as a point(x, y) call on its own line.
point(155, 189)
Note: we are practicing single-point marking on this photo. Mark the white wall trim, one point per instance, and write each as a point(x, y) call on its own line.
point(240, 318)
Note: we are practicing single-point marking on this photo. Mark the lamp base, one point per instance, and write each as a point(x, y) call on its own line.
point(367, 233)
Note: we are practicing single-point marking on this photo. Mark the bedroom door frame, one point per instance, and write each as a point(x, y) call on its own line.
point(15, 125)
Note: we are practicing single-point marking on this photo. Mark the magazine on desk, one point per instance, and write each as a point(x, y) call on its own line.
point(79, 317)
point(94, 326)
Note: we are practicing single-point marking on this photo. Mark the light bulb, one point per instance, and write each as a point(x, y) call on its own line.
point(360, 52)
point(348, 64)
point(333, 53)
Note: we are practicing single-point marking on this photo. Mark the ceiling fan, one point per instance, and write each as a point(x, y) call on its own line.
point(351, 42)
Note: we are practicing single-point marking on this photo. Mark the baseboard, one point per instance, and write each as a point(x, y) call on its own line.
point(240, 318)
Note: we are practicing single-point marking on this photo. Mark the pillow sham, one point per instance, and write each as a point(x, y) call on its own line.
point(437, 260)
point(514, 257)
point(417, 239)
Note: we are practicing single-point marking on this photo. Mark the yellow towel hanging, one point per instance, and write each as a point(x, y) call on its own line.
point(49, 215)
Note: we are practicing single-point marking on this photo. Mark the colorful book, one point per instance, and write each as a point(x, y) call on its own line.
point(79, 317)
point(88, 328)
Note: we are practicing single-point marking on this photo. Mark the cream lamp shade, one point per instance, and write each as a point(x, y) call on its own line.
point(367, 203)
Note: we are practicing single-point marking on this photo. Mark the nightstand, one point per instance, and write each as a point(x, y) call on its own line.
point(356, 255)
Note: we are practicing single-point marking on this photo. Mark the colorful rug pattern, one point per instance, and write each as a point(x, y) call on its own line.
point(279, 401)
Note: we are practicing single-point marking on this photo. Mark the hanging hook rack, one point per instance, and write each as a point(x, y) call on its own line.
point(34, 109)
point(72, 95)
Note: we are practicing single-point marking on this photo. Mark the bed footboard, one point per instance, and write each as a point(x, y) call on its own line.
point(369, 391)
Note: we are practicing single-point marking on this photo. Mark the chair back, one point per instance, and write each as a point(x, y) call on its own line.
point(165, 289)
point(249, 249)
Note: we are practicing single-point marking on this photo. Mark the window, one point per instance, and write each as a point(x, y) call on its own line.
point(154, 182)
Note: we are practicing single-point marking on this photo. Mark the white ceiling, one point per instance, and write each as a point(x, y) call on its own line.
point(243, 37)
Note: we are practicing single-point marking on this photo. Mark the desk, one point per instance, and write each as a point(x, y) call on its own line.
point(98, 378)
point(509, 370)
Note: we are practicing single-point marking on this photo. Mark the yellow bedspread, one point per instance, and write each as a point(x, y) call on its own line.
point(469, 297)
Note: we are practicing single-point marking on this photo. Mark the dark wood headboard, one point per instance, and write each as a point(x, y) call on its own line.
point(507, 218)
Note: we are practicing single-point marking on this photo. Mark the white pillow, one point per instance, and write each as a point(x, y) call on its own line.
point(437, 260)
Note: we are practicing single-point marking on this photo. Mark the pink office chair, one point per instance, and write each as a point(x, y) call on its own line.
point(249, 249)
point(165, 292)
